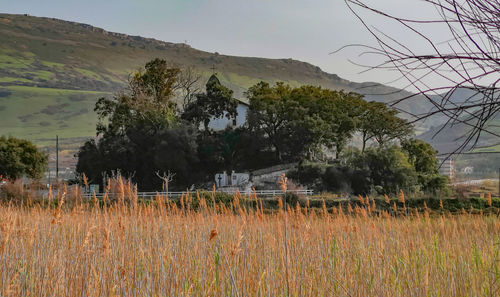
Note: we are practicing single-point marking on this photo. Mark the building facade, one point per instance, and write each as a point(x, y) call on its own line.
point(447, 167)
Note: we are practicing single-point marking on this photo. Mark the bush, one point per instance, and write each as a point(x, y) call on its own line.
point(19, 157)
point(309, 174)
point(384, 170)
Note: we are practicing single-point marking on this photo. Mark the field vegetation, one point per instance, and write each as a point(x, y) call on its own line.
point(203, 245)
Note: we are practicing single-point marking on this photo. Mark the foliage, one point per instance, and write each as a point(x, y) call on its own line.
point(19, 157)
point(148, 101)
point(380, 123)
point(329, 116)
point(310, 174)
point(285, 124)
point(421, 155)
point(232, 149)
point(385, 169)
point(423, 158)
point(141, 134)
point(139, 155)
point(388, 168)
point(271, 115)
point(300, 121)
point(216, 103)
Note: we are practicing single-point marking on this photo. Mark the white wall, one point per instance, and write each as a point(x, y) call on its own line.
point(221, 124)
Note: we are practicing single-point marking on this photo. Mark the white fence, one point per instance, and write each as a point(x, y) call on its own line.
point(261, 193)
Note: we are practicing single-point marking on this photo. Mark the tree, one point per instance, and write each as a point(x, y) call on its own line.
point(333, 117)
point(176, 151)
point(188, 86)
point(468, 61)
point(233, 149)
point(148, 101)
point(140, 156)
point(140, 132)
point(423, 158)
point(302, 120)
point(379, 122)
point(421, 155)
point(270, 112)
point(217, 102)
point(19, 157)
point(387, 168)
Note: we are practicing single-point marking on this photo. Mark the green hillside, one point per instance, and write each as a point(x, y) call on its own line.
point(53, 71)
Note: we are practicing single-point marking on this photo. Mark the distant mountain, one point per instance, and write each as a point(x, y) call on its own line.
point(447, 139)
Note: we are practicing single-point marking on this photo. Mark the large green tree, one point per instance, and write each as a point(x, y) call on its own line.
point(381, 123)
point(423, 158)
point(298, 121)
point(148, 100)
point(19, 157)
point(387, 168)
point(331, 116)
point(140, 132)
point(278, 116)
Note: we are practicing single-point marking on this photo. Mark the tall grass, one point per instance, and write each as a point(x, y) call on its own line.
point(121, 247)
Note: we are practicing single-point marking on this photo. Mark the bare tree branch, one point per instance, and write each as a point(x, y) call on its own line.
point(469, 60)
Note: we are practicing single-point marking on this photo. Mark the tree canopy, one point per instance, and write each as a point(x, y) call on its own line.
point(147, 101)
point(381, 123)
point(142, 133)
point(140, 130)
point(319, 118)
point(19, 157)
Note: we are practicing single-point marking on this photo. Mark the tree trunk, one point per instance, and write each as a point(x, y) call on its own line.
point(278, 153)
point(364, 143)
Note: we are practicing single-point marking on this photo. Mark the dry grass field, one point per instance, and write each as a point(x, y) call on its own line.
point(166, 249)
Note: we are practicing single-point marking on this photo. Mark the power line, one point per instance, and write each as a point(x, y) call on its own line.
point(469, 153)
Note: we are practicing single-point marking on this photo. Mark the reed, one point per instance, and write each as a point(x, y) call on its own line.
point(128, 248)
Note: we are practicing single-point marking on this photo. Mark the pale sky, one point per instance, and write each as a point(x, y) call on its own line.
point(306, 30)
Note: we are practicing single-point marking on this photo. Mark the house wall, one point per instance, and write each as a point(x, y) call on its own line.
point(221, 124)
point(447, 168)
point(233, 179)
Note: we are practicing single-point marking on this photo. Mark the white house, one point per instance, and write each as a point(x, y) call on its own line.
point(468, 170)
point(231, 180)
point(219, 124)
point(240, 120)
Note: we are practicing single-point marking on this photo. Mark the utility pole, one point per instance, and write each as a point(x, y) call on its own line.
point(57, 158)
point(499, 182)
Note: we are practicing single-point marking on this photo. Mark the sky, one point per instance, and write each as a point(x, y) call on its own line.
point(306, 30)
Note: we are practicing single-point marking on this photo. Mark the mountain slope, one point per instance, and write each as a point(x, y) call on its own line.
point(53, 71)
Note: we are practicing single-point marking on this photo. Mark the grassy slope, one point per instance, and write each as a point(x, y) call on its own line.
point(40, 113)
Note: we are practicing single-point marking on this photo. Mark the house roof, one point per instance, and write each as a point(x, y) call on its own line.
point(214, 79)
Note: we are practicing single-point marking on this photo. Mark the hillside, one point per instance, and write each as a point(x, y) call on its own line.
point(53, 71)
point(447, 140)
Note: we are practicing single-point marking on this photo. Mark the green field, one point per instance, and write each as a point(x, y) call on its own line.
point(41, 113)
